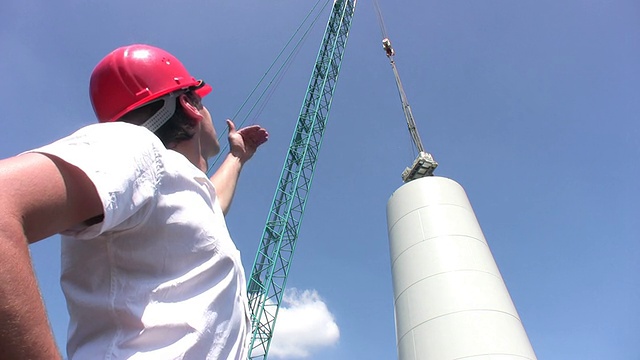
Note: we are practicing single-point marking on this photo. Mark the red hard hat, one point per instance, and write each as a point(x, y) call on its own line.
point(134, 75)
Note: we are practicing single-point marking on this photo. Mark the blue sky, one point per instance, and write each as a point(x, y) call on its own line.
point(532, 106)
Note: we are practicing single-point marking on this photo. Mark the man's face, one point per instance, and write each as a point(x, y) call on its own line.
point(209, 144)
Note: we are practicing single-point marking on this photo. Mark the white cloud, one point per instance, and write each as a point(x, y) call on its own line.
point(304, 325)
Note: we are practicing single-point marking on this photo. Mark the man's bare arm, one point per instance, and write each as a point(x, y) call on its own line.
point(242, 144)
point(40, 197)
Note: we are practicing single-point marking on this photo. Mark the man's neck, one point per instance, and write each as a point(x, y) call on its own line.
point(191, 150)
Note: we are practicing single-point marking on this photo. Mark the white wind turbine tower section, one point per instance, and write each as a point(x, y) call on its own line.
point(450, 299)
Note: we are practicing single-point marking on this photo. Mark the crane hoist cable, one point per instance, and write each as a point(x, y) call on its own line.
point(383, 29)
point(424, 164)
point(274, 78)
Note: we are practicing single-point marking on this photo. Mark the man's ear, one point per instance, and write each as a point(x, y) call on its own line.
point(189, 108)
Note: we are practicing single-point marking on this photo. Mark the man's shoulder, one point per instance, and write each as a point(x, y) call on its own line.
point(115, 134)
point(115, 129)
point(111, 141)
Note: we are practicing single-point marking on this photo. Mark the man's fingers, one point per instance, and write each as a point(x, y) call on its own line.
point(256, 134)
point(231, 125)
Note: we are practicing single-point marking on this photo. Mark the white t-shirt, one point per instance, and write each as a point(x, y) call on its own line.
point(159, 277)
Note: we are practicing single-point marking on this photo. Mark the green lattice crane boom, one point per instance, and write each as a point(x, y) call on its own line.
point(273, 259)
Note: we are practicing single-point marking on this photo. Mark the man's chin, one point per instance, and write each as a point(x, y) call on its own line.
point(212, 151)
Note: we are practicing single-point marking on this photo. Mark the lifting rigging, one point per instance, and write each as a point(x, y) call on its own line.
point(275, 252)
point(424, 164)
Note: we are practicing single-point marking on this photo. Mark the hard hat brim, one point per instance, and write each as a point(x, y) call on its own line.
point(204, 89)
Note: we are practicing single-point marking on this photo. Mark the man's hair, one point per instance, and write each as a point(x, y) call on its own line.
point(179, 127)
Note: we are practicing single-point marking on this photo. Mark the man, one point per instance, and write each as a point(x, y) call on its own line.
point(149, 270)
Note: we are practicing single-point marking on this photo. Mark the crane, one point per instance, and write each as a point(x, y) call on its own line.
point(424, 164)
point(268, 278)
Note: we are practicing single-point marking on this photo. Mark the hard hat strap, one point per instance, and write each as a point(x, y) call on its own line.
point(161, 116)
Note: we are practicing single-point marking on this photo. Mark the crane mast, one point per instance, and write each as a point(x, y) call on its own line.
point(275, 252)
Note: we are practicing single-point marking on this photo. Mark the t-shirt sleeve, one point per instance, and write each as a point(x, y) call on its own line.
point(124, 163)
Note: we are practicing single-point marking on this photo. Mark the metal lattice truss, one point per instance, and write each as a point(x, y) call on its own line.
point(273, 260)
